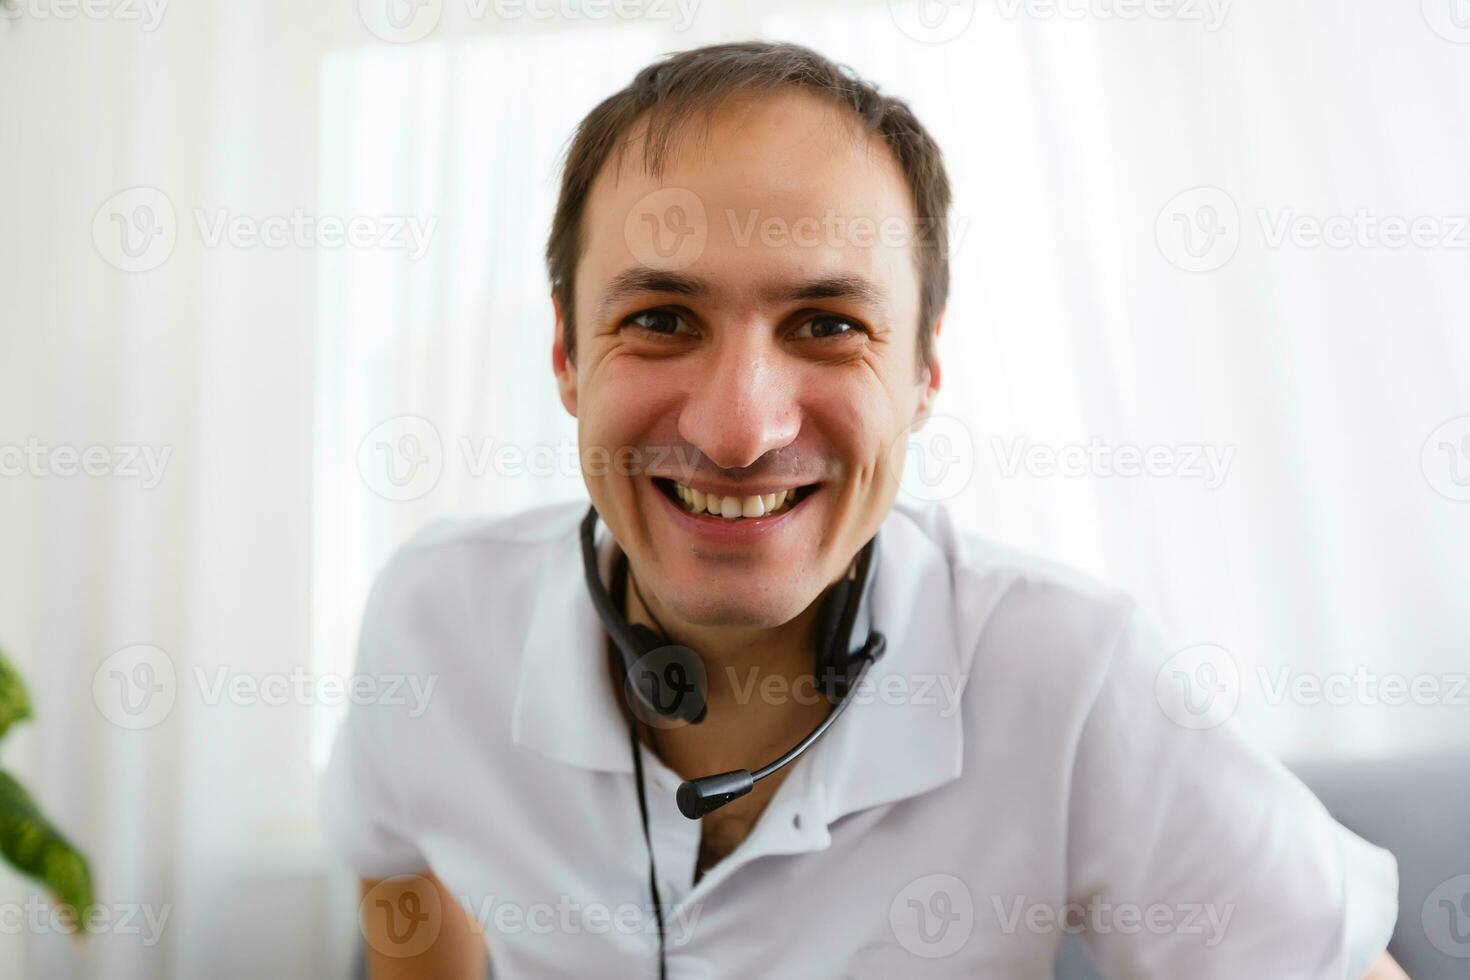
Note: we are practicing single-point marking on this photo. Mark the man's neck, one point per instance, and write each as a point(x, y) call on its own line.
point(762, 699)
point(739, 662)
point(762, 695)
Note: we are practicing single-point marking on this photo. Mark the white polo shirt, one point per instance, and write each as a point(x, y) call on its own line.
point(1013, 768)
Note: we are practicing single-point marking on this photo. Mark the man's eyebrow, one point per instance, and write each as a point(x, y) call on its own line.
point(641, 279)
point(836, 286)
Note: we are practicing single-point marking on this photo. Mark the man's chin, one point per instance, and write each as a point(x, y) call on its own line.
point(731, 612)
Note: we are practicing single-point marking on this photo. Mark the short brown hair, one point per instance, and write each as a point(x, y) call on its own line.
point(670, 91)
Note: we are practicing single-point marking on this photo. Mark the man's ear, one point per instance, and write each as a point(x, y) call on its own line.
point(562, 365)
point(929, 376)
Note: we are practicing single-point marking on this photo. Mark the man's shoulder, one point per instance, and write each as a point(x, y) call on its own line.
point(488, 556)
point(509, 539)
point(983, 569)
point(543, 525)
point(1015, 611)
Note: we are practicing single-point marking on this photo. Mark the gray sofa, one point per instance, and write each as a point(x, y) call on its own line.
point(1417, 808)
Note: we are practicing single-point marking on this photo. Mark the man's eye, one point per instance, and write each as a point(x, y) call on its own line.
point(824, 327)
point(664, 322)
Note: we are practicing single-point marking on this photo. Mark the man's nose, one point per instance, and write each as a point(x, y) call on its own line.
point(743, 403)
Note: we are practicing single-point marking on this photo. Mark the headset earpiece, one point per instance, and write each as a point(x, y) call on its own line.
point(648, 639)
point(665, 683)
point(842, 617)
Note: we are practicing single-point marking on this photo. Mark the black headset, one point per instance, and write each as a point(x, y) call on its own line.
point(666, 682)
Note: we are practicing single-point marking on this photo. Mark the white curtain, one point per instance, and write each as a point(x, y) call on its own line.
point(315, 404)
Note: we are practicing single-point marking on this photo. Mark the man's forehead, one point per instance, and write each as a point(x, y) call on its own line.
point(791, 187)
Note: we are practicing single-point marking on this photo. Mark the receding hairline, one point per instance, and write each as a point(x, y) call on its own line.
point(662, 128)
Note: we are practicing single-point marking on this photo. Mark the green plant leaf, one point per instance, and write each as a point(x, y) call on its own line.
point(15, 702)
point(37, 849)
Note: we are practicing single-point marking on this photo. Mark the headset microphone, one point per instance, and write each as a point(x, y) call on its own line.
point(708, 793)
point(667, 681)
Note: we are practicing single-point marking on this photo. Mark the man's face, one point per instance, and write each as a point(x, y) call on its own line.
point(765, 348)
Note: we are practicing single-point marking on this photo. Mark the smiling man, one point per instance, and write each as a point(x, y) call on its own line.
point(749, 269)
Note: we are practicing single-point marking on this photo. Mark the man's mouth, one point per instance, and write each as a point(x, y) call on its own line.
point(733, 507)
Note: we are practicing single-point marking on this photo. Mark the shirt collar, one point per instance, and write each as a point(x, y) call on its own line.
point(901, 736)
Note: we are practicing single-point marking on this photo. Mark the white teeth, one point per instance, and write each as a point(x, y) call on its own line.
point(733, 508)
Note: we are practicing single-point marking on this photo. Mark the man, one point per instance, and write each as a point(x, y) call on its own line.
point(749, 273)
